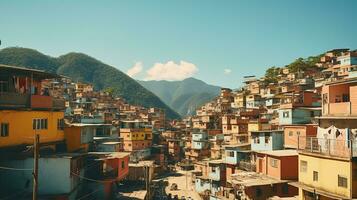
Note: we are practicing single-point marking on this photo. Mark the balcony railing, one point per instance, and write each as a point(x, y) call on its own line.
point(10, 100)
point(339, 109)
point(329, 147)
point(14, 100)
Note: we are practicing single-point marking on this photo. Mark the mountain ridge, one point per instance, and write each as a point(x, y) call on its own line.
point(182, 96)
point(84, 68)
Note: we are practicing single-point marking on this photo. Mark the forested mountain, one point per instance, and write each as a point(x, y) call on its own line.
point(183, 96)
point(81, 67)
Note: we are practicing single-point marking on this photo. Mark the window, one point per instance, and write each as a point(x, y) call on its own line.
point(342, 181)
point(4, 129)
point(290, 133)
point(315, 176)
point(122, 164)
point(303, 166)
point(286, 114)
point(230, 153)
point(345, 97)
point(60, 124)
point(298, 133)
point(256, 139)
point(213, 170)
point(273, 162)
point(39, 124)
point(267, 138)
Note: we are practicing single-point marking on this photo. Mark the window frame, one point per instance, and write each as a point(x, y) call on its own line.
point(2, 129)
point(315, 176)
point(303, 168)
point(342, 181)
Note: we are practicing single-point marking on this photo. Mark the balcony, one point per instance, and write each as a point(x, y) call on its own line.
point(339, 148)
point(339, 109)
point(10, 100)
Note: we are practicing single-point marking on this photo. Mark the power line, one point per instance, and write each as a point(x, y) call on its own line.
point(89, 179)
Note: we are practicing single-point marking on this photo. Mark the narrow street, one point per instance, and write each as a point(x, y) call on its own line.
point(185, 187)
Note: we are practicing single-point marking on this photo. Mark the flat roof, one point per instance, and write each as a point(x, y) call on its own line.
point(111, 143)
point(83, 124)
point(41, 73)
point(268, 131)
point(142, 163)
point(111, 154)
point(342, 81)
point(249, 179)
point(336, 117)
point(216, 161)
point(280, 153)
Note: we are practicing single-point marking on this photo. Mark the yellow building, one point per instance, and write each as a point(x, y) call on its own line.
point(23, 125)
point(27, 109)
point(323, 175)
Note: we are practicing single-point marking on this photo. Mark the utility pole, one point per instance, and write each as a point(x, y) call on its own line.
point(35, 167)
point(147, 181)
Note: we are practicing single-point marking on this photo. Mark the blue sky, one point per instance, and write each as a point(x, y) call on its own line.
point(216, 41)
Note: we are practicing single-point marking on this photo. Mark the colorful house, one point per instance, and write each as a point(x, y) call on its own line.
point(292, 133)
point(79, 136)
point(27, 109)
point(267, 140)
point(279, 164)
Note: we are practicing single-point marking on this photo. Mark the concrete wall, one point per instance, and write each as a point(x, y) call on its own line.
point(21, 129)
point(54, 176)
point(328, 171)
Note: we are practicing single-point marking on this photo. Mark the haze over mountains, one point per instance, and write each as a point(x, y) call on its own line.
point(183, 96)
point(83, 68)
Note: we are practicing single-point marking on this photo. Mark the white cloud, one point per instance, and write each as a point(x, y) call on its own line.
point(171, 71)
point(135, 70)
point(227, 71)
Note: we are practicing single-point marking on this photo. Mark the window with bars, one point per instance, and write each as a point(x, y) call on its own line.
point(342, 181)
point(39, 124)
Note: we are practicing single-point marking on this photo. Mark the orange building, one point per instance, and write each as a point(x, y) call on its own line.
point(292, 133)
point(279, 164)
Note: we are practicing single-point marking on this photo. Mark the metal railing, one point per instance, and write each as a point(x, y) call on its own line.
point(330, 147)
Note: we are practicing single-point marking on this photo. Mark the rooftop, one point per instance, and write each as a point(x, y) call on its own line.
point(27, 71)
point(280, 153)
point(248, 179)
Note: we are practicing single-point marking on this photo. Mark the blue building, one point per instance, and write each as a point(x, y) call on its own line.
point(267, 140)
point(235, 154)
point(299, 115)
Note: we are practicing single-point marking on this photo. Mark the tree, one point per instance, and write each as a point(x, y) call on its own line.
point(271, 74)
